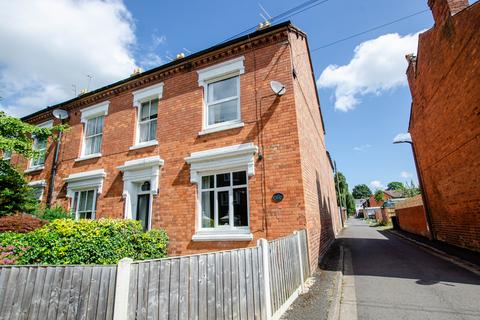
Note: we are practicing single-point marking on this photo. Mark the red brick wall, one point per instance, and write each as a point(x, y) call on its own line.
point(412, 220)
point(445, 125)
point(321, 212)
point(271, 123)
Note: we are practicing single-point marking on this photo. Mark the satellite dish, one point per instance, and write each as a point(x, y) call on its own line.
point(278, 88)
point(60, 114)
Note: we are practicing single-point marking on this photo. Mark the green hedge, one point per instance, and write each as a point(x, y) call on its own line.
point(65, 241)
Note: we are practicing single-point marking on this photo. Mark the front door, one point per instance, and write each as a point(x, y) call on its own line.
point(143, 209)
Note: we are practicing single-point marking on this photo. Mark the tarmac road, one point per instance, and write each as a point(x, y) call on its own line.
point(385, 277)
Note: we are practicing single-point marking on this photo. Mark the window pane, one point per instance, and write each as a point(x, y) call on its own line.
point(37, 192)
point(90, 130)
point(207, 182)
point(222, 89)
point(99, 125)
point(90, 195)
point(144, 131)
point(240, 208)
point(83, 201)
point(223, 208)
point(223, 180)
point(208, 204)
point(154, 109)
point(145, 111)
point(85, 215)
point(239, 178)
point(153, 130)
point(221, 112)
point(74, 203)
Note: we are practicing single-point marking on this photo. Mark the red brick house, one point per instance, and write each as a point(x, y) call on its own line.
point(200, 146)
point(445, 120)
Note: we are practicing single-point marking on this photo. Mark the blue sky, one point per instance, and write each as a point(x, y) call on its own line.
point(44, 65)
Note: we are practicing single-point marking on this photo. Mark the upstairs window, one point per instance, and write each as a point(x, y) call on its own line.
point(223, 101)
point(41, 147)
point(147, 121)
point(93, 135)
point(93, 119)
point(221, 83)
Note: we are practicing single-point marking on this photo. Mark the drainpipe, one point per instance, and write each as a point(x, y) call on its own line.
point(62, 115)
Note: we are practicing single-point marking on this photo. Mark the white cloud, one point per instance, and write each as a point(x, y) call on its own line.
point(377, 65)
point(49, 45)
point(406, 174)
point(402, 137)
point(377, 184)
point(362, 148)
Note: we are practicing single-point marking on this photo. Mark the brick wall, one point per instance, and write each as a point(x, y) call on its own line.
point(445, 122)
point(271, 122)
point(412, 219)
point(321, 212)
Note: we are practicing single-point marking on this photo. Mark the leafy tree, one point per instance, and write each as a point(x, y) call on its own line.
point(16, 136)
point(395, 185)
point(411, 190)
point(379, 195)
point(15, 194)
point(361, 191)
point(344, 197)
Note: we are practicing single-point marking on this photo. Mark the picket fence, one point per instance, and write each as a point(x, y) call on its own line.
point(250, 283)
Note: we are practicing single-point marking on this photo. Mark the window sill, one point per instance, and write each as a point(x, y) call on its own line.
point(221, 128)
point(144, 145)
point(33, 169)
point(222, 236)
point(90, 156)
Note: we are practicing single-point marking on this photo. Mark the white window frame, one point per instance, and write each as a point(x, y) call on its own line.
point(141, 96)
point(31, 166)
point(78, 192)
point(7, 154)
point(222, 228)
point(90, 113)
point(90, 180)
point(215, 73)
point(38, 184)
point(215, 161)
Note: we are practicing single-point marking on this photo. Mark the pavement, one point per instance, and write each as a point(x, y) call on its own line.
point(386, 277)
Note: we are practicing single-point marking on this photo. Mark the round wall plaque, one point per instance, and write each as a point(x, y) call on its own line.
point(277, 197)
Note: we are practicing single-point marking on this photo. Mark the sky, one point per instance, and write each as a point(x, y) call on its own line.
point(51, 49)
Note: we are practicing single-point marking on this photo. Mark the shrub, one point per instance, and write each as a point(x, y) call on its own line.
point(21, 223)
point(103, 241)
point(53, 213)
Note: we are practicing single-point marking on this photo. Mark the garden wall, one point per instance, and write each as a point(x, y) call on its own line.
point(411, 216)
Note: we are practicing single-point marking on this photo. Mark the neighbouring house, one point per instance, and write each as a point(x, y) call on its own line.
point(359, 204)
point(445, 120)
point(381, 210)
point(205, 147)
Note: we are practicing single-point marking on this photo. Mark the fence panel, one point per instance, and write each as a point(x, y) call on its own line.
point(218, 285)
point(286, 272)
point(57, 292)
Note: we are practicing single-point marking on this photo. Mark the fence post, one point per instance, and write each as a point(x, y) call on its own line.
point(120, 308)
point(299, 246)
point(263, 243)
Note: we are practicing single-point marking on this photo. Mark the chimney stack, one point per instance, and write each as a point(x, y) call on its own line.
point(442, 9)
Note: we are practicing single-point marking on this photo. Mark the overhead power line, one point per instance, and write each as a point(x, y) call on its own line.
point(369, 30)
point(282, 16)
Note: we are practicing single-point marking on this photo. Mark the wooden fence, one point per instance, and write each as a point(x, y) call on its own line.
point(57, 292)
point(250, 283)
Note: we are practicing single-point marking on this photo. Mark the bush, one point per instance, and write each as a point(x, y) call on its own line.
point(54, 213)
point(103, 241)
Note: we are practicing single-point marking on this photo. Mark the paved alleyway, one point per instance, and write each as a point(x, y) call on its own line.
point(385, 277)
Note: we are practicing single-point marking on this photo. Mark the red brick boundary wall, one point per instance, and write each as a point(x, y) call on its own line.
point(411, 216)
